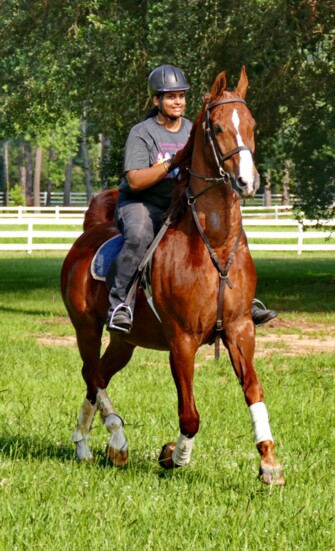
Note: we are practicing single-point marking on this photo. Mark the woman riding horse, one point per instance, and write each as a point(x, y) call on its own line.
point(146, 191)
point(202, 276)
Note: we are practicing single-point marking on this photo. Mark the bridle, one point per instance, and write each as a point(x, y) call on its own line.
point(224, 177)
point(219, 157)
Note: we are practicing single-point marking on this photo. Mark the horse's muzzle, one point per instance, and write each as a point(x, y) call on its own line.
point(247, 188)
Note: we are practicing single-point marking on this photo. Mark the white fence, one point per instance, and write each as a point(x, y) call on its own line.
point(54, 213)
point(56, 198)
point(59, 212)
point(79, 198)
point(29, 237)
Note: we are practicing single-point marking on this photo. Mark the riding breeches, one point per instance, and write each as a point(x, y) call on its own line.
point(138, 222)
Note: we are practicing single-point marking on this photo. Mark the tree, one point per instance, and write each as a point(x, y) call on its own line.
point(61, 57)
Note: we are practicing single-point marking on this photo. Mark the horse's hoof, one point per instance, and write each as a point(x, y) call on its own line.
point(119, 458)
point(272, 475)
point(165, 458)
point(83, 451)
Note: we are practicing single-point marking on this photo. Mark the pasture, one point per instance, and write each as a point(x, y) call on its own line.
point(48, 501)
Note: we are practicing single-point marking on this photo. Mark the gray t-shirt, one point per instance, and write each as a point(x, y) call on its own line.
point(148, 143)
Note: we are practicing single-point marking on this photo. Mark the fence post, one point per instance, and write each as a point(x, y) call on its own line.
point(30, 237)
point(57, 212)
point(300, 237)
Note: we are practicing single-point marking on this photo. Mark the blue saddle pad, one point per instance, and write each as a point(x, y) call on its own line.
point(104, 257)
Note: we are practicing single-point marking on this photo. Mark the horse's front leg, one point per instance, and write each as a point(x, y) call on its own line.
point(89, 342)
point(182, 367)
point(81, 434)
point(240, 341)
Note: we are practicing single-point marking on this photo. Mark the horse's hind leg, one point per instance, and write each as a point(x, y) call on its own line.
point(240, 346)
point(97, 374)
point(89, 332)
point(116, 356)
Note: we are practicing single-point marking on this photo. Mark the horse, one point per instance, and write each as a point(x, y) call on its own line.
point(203, 282)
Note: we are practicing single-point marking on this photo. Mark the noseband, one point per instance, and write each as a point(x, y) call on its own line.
point(218, 156)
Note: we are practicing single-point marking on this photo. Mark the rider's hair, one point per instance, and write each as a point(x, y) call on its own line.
point(152, 113)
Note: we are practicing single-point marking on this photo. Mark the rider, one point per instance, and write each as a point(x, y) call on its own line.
point(146, 191)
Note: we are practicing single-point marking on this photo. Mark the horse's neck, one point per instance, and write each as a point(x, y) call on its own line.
point(219, 213)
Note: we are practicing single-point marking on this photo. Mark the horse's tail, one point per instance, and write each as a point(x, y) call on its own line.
point(101, 208)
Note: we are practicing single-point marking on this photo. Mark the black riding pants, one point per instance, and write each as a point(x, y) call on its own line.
point(139, 223)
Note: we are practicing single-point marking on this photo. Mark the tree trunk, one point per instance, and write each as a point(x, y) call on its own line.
point(67, 186)
point(22, 168)
point(49, 184)
point(37, 176)
point(29, 175)
point(286, 185)
point(267, 190)
point(104, 158)
point(5, 174)
point(86, 164)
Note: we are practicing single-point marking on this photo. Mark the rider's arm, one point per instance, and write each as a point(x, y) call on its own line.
point(144, 178)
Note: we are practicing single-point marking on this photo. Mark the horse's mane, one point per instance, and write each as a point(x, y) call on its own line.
point(101, 208)
point(183, 160)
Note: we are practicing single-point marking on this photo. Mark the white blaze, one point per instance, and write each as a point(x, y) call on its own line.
point(246, 161)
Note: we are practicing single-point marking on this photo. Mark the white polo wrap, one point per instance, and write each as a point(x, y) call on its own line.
point(182, 453)
point(260, 420)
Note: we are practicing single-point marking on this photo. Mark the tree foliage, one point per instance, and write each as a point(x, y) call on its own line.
point(61, 57)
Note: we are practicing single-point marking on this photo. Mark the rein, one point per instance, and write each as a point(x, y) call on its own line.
point(223, 272)
point(191, 199)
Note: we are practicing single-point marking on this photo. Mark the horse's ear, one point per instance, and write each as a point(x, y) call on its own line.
point(219, 85)
point(243, 83)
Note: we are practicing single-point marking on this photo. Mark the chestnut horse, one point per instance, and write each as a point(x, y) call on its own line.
point(203, 283)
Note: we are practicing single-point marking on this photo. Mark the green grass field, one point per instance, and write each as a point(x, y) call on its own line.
point(48, 501)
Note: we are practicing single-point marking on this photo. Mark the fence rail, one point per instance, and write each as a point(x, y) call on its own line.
point(79, 199)
point(28, 236)
point(59, 212)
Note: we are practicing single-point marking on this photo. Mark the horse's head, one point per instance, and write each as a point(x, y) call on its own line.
point(229, 127)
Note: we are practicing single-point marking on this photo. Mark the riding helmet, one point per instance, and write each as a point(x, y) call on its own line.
point(166, 78)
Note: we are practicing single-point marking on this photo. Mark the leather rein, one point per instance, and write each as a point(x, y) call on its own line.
point(191, 199)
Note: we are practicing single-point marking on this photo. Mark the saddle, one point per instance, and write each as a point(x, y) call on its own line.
point(109, 250)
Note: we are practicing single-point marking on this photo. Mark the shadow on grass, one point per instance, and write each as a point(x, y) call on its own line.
point(19, 310)
point(286, 283)
point(18, 447)
point(29, 274)
point(300, 284)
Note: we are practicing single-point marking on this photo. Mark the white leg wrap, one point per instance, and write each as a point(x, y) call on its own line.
point(182, 453)
point(260, 419)
point(112, 421)
point(117, 440)
point(104, 403)
point(81, 434)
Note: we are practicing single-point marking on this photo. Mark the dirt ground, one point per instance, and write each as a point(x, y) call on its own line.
point(295, 338)
point(283, 336)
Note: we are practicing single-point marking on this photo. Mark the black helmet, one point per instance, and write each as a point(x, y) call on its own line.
point(166, 78)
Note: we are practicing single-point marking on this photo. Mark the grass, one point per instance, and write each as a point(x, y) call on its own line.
point(49, 501)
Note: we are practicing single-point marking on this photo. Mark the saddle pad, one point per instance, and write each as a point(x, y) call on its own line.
point(104, 257)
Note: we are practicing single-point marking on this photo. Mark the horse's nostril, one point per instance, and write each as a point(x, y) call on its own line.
point(241, 184)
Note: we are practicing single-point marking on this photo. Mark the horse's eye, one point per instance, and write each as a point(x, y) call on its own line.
point(217, 129)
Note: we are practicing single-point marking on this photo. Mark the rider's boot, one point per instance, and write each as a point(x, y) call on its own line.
point(261, 315)
point(120, 319)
